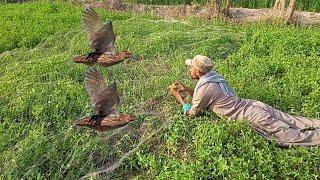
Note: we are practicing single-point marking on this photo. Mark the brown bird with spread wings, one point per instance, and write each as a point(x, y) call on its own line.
point(100, 34)
point(105, 101)
point(101, 39)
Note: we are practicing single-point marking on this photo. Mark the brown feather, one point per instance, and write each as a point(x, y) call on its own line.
point(104, 59)
point(105, 99)
point(101, 35)
point(104, 123)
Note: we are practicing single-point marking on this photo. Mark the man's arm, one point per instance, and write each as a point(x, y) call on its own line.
point(176, 93)
point(201, 100)
point(187, 89)
point(178, 96)
point(191, 112)
point(181, 88)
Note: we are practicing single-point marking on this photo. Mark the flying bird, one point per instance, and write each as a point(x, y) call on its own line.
point(101, 39)
point(100, 34)
point(105, 100)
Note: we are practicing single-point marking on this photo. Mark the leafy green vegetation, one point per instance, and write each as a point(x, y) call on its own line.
point(42, 92)
point(305, 5)
point(21, 27)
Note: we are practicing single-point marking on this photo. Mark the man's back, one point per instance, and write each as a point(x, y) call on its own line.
point(211, 95)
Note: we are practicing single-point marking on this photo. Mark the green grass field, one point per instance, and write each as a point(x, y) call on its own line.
point(42, 92)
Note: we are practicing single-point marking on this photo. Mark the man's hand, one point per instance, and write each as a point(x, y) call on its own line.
point(186, 89)
point(174, 88)
point(181, 88)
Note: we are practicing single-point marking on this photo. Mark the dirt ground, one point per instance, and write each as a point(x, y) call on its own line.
point(235, 14)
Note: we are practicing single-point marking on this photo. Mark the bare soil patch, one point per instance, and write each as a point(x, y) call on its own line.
point(205, 12)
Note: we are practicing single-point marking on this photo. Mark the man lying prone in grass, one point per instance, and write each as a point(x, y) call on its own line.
point(212, 91)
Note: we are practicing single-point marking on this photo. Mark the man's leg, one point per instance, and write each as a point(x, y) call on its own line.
point(299, 122)
point(284, 134)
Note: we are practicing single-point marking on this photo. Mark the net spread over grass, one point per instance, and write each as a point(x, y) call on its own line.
point(42, 92)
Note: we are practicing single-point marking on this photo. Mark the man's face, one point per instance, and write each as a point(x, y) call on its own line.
point(193, 72)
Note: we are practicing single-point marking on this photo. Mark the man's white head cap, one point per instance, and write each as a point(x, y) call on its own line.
point(201, 63)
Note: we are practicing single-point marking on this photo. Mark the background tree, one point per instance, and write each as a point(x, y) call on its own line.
point(291, 8)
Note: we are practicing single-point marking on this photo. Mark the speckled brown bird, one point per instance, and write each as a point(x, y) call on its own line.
point(105, 100)
point(102, 41)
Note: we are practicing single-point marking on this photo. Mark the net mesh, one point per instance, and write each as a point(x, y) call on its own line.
point(49, 92)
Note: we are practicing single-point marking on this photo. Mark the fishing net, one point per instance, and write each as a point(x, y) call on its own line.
point(50, 93)
point(124, 143)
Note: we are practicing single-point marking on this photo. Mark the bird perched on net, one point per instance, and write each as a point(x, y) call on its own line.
point(105, 100)
point(101, 39)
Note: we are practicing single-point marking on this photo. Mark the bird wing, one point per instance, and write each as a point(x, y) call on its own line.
point(105, 99)
point(101, 35)
point(117, 121)
point(91, 20)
